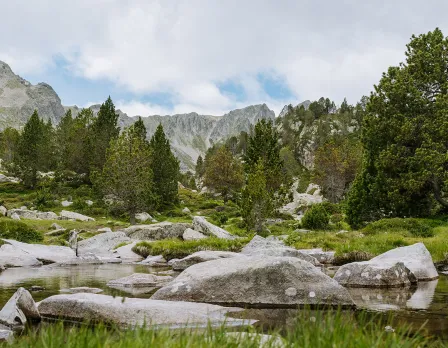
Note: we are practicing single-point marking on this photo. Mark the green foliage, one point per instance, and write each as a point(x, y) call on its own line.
point(188, 180)
point(165, 168)
point(177, 249)
point(44, 199)
point(9, 143)
point(17, 230)
point(316, 218)
point(405, 165)
point(200, 169)
point(416, 227)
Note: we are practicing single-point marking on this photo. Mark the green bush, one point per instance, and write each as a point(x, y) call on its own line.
point(17, 230)
point(416, 227)
point(44, 199)
point(316, 218)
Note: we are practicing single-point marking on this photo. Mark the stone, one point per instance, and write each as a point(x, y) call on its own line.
point(73, 241)
point(102, 244)
point(3, 210)
point(186, 211)
point(259, 246)
point(104, 229)
point(15, 216)
point(44, 253)
point(154, 261)
point(66, 203)
point(190, 234)
point(207, 228)
point(4, 178)
point(161, 230)
point(126, 254)
point(89, 202)
point(33, 214)
point(70, 215)
point(262, 282)
point(143, 217)
point(136, 312)
point(56, 226)
point(201, 256)
point(19, 309)
point(140, 280)
point(302, 200)
point(36, 288)
point(6, 335)
point(376, 275)
point(324, 257)
point(89, 259)
point(56, 232)
point(81, 289)
point(11, 256)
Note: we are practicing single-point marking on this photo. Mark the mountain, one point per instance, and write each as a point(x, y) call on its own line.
point(190, 134)
point(306, 105)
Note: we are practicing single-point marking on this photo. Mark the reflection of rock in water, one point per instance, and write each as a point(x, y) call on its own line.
point(135, 291)
point(382, 299)
point(269, 318)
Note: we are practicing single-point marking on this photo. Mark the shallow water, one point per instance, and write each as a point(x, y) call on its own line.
point(426, 304)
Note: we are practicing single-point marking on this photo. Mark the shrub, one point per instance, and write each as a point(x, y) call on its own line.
point(416, 227)
point(316, 218)
point(17, 230)
point(44, 199)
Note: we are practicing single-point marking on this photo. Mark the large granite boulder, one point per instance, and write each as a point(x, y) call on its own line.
point(155, 261)
point(207, 228)
point(44, 253)
point(71, 215)
point(161, 230)
point(143, 217)
point(190, 234)
point(201, 256)
point(11, 256)
point(20, 308)
point(33, 214)
point(375, 275)
point(126, 254)
point(256, 282)
point(132, 312)
point(102, 244)
point(324, 257)
point(260, 246)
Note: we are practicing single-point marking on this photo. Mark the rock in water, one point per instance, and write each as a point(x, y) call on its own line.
point(44, 253)
point(207, 228)
point(256, 282)
point(190, 234)
point(155, 261)
point(131, 312)
point(20, 308)
point(82, 289)
point(126, 254)
point(102, 244)
point(201, 256)
point(11, 256)
point(325, 257)
point(161, 230)
point(139, 280)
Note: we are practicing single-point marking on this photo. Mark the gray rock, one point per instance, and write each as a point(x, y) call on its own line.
point(82, 289)
point(376, 275)
point(44, 253)
point(11, 256)
point(161, 230)
point(325, 257)
point(20, 308)
point(33, 214)
point(3, 210)
point(66, 203)
point(104, 229)
point(6, 335)
point(70, 215)
point(186, 211)
point(15, 216)
point(102, 244)
point(140, 280)
point(126, 254)
point(36, 288)
point(89, 259)
point(56, 226)
point(201, 256)
point(143, 217)
point(126, 312)
point(256, 282)
point(56, 232)
point(89, 202)
point(190, 234)
point(207, 228)
point(260, 246)
point(4, 178)
point(155, 261)
point(73, 241)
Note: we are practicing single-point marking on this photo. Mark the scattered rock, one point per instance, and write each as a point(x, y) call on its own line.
point(89, 203)
point(66, 203)
point(325, 257)
point(389, 329)
point(102, 244)
point(3, 210)
point(15, 216)
point(55, 226)
point(142, 217)
point(139, 280)
point(36, 288)
point(104, 229)
point(125, 312)
point(256, 282)
point(201, 256)
point(69, 215)
point(186, 211)
point(155, 261)
point(81, 289)
point(207, 228)
point(190, 234)
point(20, 308)
point(161, 230)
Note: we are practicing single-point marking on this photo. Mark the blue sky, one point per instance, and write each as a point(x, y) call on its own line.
point(210, 56)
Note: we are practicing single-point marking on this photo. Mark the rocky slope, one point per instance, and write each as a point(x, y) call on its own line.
point(190, 134)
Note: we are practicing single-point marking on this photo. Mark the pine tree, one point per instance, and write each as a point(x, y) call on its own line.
point(104, 129)
point(9, 142)
point(165, 168)
point(140, 129)
point(127, 173)
point(199, 167)
point(64, 132)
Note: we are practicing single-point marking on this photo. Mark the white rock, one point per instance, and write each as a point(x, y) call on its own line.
point(89, 202)
point(69, 215)
point(140, 280)
point(20, 308)
point(201, 256)
point(142, 217)
point(191, 234)
point(102, 244)
point(15, 216)
point(82, 289)
point(104, 229)
point(126, 254)
point(66, 203)
point(11, 256)
point(207, 228)
point(325, 257)
point(155, 261)
point(186, 211)
point(161, 230)
point(55, 226)
point(3, 210)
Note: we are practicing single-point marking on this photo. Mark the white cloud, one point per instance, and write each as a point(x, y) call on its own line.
point(186, 48)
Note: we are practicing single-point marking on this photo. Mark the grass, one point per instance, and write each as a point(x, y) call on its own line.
point(12, 229)
point(310, 329)
point(176, 248)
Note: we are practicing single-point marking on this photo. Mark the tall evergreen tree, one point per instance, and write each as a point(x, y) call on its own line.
point(165, 168)
point(140, 129)
point(199, 167)
point(104, 129)
point(9, 142)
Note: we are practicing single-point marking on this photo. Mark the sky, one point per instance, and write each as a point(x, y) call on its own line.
point(210, 56)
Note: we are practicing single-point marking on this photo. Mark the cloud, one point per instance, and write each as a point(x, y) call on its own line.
point(188, 48)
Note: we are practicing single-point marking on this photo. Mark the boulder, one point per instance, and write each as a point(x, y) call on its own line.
point(6, 335)
point(201, 256)
point(186, 211)
point(82, 289)
point(126, 254)
point(89, 202)
point(155, 261)
point(131, 312)
point(104, 229)
point(325, 257)
point(190, 234)
point(11, 256)
point(4, 178)
point(161, 230)
point(260, 246)
point(207, 228)
point(256, 282)
point(56, 232)
point(376, 275)
point(56, 226)
point(33, 214)
point(143, 217)
point(15, 216)
point(89, 259)
point(73, 241)
point(70, 215)
point(20, 308)
point(3, 210)
point(44, 253)
point(102, 244)
point(66, 203)
point(140, 280)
